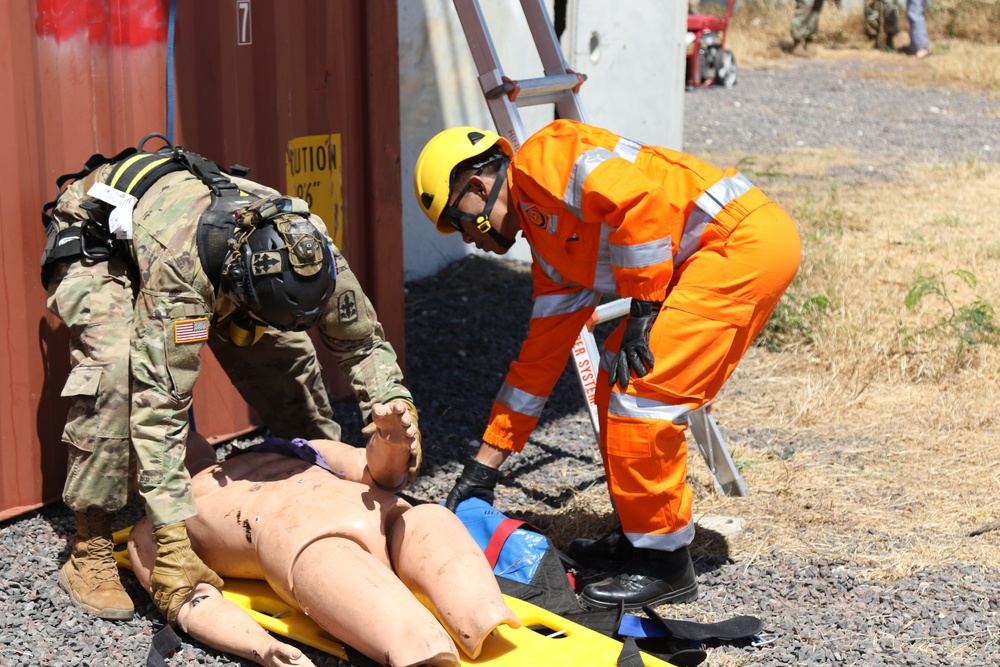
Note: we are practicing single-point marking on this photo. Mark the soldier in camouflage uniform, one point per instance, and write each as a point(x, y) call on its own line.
point(137, 324)
point(805, 23)
point(882, 16)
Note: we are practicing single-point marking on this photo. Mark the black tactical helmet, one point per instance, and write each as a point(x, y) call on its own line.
point(281, 271)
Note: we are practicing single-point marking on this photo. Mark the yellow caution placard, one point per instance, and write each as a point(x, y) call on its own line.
point(313, 173)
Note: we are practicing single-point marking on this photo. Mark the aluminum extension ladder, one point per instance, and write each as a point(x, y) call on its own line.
point(560, 86)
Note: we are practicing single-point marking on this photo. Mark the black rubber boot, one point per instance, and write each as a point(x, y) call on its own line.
point(612, 547)
point(650, 577)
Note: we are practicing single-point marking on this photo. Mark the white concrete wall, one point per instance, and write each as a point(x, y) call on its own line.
point(633, 54)
point(635, 86)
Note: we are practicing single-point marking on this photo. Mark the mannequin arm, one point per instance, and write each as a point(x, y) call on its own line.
point(215, 621)
point(385, 460)
point(212, 619)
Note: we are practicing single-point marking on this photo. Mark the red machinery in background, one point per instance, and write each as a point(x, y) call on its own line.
point(708, 60)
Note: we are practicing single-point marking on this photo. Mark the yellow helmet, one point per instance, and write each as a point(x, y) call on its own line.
point(432, 175)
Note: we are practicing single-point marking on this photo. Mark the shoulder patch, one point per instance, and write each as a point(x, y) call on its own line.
point(190, 331)
point(347, 307)
point(536, 217)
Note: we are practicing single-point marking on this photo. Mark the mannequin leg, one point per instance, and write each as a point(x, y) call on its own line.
point(361, 602)
point(438, 560)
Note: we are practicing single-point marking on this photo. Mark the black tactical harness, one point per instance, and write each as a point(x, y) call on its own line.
point(134, 173)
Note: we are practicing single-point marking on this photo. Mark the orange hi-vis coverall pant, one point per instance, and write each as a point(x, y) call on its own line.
point(606, 215)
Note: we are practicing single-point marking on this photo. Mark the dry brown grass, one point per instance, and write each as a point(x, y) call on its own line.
point(911, 466)
point(864, 444)
point(964, 34)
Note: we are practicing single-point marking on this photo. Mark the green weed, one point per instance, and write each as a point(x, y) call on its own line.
point(970, 324)
point(820, 219)
point(796, 321)
point(748, 166)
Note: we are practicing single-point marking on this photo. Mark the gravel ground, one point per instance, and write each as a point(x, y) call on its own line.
point(459, 341)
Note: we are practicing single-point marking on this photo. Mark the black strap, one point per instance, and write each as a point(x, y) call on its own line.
point(630, 657)
point(738, 627)
point(138, 172)
point(215, 228)
point(164, 643)
point(135, 172)
point(93, 162)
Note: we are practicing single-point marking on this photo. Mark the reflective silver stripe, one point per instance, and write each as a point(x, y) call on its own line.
point(709, 204)
point(641, 255)
point(521, 401)
point(560, 304)
point(627, 405)
point(713, 200)
point(693, 229)
point(663, 542)
point(604, 277)
point(586, 163)
point(627, 148)
point(548, 270)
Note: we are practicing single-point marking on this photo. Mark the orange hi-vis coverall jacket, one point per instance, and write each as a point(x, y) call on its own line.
point(606, 215)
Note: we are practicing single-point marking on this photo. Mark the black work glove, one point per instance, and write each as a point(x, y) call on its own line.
point(634, 352)
point(476, 481)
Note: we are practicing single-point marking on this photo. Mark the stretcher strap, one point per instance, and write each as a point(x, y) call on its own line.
point(499, 536)
point(164, 643)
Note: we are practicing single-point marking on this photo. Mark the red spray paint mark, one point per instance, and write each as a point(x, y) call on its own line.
point(118, 22)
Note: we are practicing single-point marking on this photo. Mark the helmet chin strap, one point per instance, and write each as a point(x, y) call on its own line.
point(482, 221)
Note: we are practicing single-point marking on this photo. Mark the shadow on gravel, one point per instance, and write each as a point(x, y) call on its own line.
point(464, 326)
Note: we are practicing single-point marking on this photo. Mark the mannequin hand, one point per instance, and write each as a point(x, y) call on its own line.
point(634, 353)
point(416, 455)
point(477, 480)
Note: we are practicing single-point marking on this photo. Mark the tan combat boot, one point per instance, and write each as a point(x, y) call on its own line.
point(90, 576)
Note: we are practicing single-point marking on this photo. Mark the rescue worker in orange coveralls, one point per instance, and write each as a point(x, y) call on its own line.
point(704, 256)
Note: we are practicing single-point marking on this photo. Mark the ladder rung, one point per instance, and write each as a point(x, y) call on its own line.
point(535, 88)
point(612, 309)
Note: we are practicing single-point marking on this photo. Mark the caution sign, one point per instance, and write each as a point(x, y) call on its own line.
point(312, 169)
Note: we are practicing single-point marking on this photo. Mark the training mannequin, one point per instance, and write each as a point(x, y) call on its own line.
point(341, 546)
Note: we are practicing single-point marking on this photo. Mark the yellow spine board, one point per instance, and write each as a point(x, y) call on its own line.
point(543, 640)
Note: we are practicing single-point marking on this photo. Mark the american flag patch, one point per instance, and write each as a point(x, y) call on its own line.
point(190, 331)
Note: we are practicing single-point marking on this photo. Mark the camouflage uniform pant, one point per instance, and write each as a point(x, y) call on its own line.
point(805, 20)
point(280, 377)
point(890, 15)
point(94, 300)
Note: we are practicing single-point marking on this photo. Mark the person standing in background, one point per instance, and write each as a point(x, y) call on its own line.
point(882, 16)
point(920, 46)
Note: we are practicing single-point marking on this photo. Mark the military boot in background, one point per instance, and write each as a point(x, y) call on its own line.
point(177, 570)
point(90, 576)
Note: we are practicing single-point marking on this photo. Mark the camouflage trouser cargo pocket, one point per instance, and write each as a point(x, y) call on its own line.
point(95, 303)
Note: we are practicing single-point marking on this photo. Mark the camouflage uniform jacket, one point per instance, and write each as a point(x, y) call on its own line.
point(173, 313)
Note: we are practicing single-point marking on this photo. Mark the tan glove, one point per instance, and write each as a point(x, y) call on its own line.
point(176, 571)
point(417, 455)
